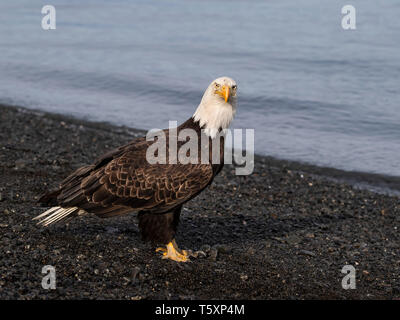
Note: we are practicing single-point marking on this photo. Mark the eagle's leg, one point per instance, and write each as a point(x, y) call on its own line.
point(161, 228)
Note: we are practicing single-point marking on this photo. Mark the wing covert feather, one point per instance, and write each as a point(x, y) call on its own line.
point(129, 180)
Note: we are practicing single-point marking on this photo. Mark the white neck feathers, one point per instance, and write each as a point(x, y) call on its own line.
point(214, 114)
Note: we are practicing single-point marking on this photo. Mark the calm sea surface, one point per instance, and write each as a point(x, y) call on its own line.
point(312, 91)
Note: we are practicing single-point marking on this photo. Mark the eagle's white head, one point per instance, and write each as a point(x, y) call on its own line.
point(218, 106)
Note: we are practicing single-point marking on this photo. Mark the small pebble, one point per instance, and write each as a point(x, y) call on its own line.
point(308, 253)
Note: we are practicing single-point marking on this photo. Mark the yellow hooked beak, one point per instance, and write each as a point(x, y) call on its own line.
point(224, 92)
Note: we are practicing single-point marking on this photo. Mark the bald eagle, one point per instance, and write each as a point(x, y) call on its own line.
point(123, 180)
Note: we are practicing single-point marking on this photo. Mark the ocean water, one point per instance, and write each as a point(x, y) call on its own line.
point(312, 91)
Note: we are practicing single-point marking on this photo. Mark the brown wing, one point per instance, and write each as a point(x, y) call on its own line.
point(123, 181)
point(133, 183)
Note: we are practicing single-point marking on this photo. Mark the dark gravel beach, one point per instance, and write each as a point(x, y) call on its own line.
point(284, 232)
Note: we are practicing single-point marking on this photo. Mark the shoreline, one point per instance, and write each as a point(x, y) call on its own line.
point(375, 182)
point(284, 232)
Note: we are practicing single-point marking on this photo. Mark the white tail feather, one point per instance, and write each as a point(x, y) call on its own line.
point(55, 214)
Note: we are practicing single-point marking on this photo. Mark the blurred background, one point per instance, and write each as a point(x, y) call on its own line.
point(312, 91)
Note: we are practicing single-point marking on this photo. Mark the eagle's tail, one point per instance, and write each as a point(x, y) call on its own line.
point(57, 214)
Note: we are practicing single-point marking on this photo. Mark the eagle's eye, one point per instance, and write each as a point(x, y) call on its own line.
point(234, 87)
point(217, 85)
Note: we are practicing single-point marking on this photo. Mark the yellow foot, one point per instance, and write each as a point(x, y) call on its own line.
point(172, 252)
